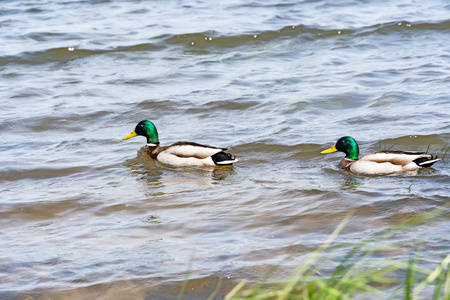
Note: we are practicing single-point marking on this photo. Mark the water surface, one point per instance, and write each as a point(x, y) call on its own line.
point(86, 215)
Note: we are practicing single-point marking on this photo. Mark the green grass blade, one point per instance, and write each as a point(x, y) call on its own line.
point(304, 267)
point(440, 284)
point(433, 275)
point(236, 289)
point(409, 278)
point(186, 279)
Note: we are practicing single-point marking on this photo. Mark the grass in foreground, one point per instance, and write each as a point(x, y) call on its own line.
point(357, 275)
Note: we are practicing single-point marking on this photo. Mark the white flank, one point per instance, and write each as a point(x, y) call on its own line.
point(366, 167)
point(175, 161)
point(190, 150)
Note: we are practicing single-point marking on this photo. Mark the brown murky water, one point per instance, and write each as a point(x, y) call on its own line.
point(86, 215)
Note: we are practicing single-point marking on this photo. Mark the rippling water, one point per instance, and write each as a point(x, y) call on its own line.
point(86, 215)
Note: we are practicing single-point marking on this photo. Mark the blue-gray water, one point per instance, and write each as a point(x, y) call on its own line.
point(85, 215)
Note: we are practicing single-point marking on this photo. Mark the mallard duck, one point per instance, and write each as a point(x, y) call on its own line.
point(381, 162)
point(181, 154)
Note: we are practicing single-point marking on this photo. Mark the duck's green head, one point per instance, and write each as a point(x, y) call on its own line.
point(345, 144)
point(147, 129)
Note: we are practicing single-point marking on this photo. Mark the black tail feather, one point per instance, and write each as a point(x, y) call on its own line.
point(426, 162)
point(223, 158)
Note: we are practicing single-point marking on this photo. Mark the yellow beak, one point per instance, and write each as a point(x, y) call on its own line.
point(133, 134)
point(331, 150)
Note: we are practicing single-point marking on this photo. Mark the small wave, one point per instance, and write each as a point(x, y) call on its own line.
point(14, 174)
point(64, 54)
point(201, 42)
